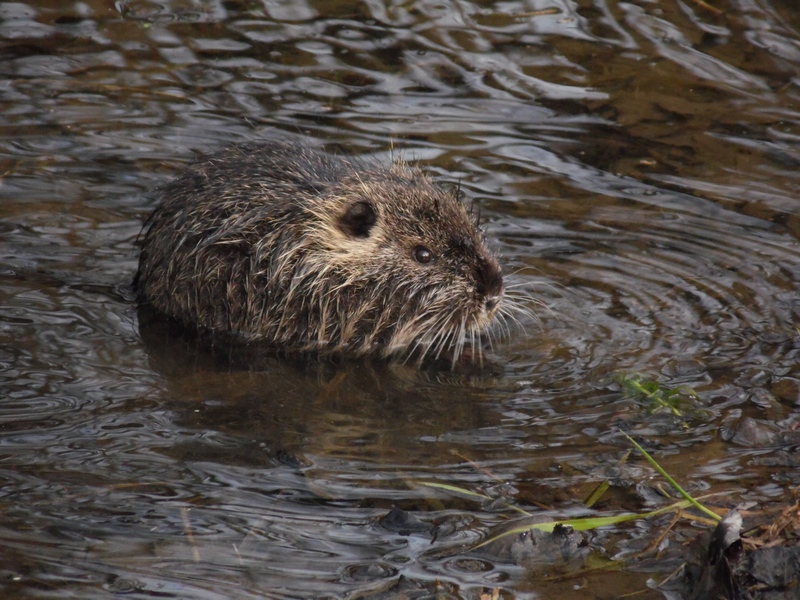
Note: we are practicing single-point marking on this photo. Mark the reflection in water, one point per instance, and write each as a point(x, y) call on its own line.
point(324, 407)
point(636, 165)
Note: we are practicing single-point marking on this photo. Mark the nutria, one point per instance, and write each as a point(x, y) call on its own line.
point(309, 251)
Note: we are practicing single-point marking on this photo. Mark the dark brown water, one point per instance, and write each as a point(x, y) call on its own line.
point(637, 164)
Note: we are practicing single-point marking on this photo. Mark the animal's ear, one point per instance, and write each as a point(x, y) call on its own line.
point(358, 220)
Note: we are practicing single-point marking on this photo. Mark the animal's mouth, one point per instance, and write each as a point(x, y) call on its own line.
point(484, 316)
point(491, 303)
point(489, 307)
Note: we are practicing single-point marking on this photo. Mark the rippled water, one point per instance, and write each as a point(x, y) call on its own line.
point(637, 166)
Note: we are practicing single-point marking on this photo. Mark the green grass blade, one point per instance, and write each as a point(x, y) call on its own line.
point(587, 523)
point(453, 489)
point(597, 493)
point(672, 482)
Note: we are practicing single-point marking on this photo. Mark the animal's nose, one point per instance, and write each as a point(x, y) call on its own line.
point(489, 281)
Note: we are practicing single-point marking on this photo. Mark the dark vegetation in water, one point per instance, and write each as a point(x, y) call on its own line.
point(723, 563)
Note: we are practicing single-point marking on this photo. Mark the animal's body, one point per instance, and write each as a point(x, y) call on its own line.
point(313, 252)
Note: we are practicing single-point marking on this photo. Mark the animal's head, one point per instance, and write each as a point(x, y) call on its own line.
point(416, 256)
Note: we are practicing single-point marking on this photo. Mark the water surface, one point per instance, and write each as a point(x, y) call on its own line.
point(636, 164)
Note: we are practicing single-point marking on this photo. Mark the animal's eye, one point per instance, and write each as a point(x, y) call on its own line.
point(422, 255)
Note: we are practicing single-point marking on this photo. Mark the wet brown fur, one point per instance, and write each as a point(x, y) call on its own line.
point(312, 252)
